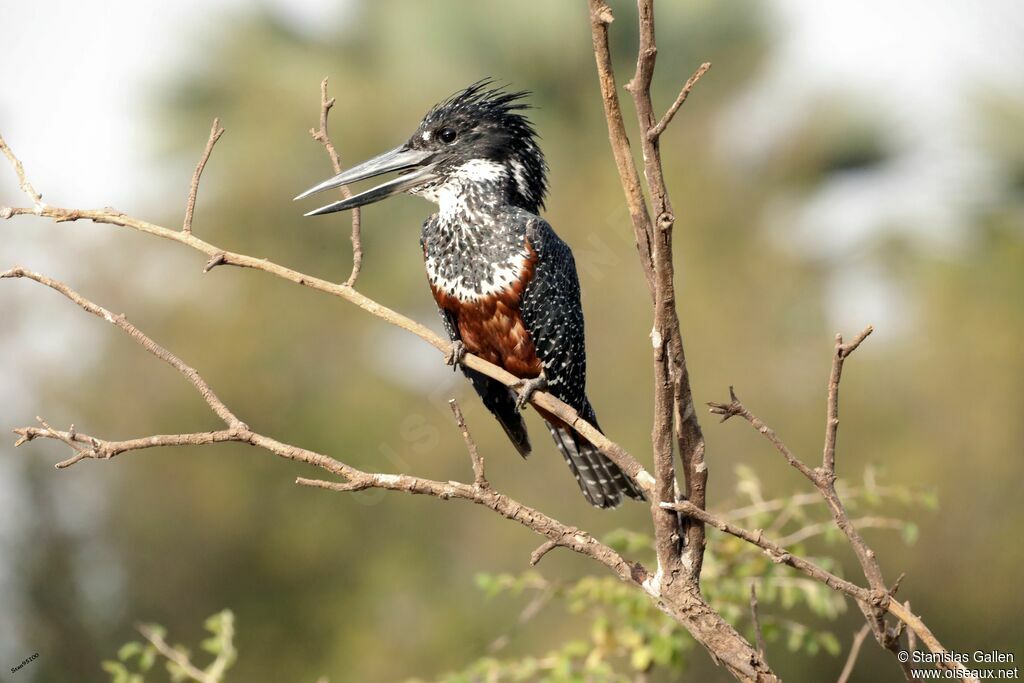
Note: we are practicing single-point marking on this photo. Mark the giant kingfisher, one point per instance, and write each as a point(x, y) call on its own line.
point(504, 282)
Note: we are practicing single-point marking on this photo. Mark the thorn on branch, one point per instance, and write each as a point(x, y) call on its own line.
point(727, 410)
point(215, 260)
point(844, 350)
point(896, 585)
point(542, 550)
point(25, 434)
point(604, 15)
point(215, 132)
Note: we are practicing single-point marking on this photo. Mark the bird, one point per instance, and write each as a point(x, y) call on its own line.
point(504, 282)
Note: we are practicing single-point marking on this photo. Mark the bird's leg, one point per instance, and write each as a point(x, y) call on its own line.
point(455, 354)
point(527, 387)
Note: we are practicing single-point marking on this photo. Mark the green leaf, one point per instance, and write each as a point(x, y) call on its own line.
point(118, 672)
point(129, 650)
point(147, 658)
point(795, 639)
point(177, 673)
point(910, 533)
point(829, 641)
point(640, 659)
point(211, 645)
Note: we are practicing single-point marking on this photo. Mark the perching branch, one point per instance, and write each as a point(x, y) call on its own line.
point(218, 256)
point(321, 136)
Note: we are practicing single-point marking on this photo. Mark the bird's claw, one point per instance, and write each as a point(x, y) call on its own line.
point(527, 388)
point(455, 354)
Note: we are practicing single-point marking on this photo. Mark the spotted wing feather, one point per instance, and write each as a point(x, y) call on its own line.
point(551, 311)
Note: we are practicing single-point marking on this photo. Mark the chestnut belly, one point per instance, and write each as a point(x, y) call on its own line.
point(492, 328)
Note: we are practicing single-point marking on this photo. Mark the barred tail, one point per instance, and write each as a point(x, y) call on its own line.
point(602, 482)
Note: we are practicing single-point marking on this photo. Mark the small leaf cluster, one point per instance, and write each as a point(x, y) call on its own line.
point(135, 660)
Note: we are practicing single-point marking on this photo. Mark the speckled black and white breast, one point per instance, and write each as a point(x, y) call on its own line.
point(473, 247)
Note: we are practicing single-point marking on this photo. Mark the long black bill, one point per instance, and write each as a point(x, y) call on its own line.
point(413, 165)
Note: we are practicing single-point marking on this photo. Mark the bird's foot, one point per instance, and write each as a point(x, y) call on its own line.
point(527, 387)
point(455, 354)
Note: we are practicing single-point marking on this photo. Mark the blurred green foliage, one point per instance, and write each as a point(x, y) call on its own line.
point(142, 656)
point(628, 635)
point(376, 587)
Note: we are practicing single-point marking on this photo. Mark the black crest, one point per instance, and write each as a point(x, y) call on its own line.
point(485, 121)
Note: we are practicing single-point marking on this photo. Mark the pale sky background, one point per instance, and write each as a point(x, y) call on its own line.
point(74, 78)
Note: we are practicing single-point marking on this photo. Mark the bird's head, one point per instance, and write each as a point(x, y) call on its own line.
point(477, 136)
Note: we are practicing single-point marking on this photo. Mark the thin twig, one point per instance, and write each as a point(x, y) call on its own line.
point(812, 530)
point(479, 479)
point(215, 132)
point(174, 655)
point(736, 407)
point(23, 182)
point(756, 620)
point(851, 660)
point(324, 138)
point(120, 322)
point(659, 128)
point(531, 610)
point(842, 351)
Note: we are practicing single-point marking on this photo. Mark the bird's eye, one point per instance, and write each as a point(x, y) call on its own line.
point(447, 135)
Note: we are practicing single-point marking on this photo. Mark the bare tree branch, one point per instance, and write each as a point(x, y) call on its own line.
point(873, 601)
point(215, 132)
point(355, 479)
point(679, 542)
point(321, 136)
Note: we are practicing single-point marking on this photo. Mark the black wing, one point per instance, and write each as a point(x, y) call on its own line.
point(552, 313)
